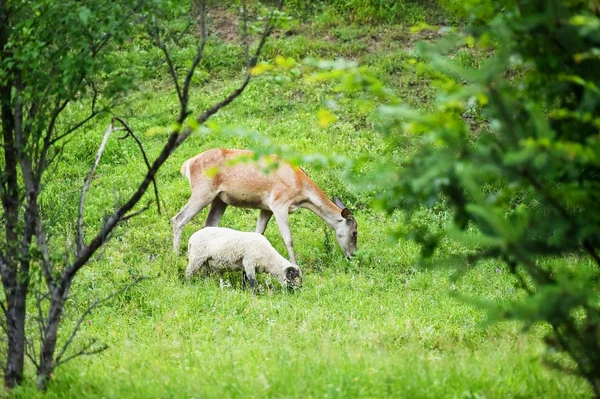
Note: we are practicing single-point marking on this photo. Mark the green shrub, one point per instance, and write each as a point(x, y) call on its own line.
point(512, 151)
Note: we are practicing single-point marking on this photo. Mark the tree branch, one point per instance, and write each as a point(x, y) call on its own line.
point(92, 115)
point(155, 34)
point(134, 214)
point(94, 305)
point(46, 262)
point(141, 147)
point(107, 36)
point(84, 352)
point(86, 184)
point(188, 79)
point(251, 63)
point(30, 352)
point(176, 137)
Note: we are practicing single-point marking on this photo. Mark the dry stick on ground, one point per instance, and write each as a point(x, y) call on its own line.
point(60, 289)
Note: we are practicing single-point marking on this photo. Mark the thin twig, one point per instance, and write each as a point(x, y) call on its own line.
point(30, 352)
point(107, 36)
point(141, 147)
point(40, 319)
point(188, 79)
point(94, 305)
point(46, 262)
point(84, 352)
point(245, 35)
point(134, 214)
point(75, 127)
point(86, 184)
point(154, 32)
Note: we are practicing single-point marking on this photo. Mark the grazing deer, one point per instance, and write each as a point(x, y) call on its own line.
point(216, 179)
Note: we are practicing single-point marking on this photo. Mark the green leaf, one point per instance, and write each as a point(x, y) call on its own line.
point(84, 14)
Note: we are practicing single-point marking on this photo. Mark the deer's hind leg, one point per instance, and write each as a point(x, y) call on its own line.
point(199, 200)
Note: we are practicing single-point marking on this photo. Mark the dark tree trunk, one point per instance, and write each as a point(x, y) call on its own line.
point(13, 373)
point(55, 313)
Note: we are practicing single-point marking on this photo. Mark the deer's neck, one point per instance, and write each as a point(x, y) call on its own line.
point(322, 206)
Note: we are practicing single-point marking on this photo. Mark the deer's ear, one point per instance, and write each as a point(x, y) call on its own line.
point(337, 201)
point(346, 214)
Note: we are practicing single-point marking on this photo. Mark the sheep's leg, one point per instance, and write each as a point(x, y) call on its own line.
point(263, 220)
point(194, 265)
point(244, 279)
point(250, 273)
point(282, 218)
point(217, 209)
point(191, 209)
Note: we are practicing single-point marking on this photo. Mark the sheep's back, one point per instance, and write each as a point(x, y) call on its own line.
point(227, 248)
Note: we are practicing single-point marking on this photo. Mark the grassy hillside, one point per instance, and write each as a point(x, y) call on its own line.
point(375, 326)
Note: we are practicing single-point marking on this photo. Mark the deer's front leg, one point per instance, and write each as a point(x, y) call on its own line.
point(282, 218)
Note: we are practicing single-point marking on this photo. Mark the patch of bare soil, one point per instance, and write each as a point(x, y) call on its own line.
point(224, 24)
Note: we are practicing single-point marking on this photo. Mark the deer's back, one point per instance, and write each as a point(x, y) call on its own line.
point(241, 181)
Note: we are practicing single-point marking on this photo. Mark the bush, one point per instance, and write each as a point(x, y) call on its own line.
point(513, 152)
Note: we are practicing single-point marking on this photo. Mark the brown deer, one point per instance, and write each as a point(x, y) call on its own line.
point(218, 180)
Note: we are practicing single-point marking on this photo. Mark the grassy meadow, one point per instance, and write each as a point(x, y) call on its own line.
point(376, 326)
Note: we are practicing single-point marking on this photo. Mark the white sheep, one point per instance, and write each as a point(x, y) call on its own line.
point(222, 249)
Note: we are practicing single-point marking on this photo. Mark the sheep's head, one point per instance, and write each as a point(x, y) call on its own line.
point(293, 277)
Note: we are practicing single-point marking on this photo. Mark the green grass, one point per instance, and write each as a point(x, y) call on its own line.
point(377, 326)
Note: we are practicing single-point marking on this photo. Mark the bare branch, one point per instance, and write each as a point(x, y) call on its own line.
point(75, 127)
point(107, 36)
point(86, 185)
point(245, 36)
point(85, 352)
point(141, 147)
point(134, 214)
point(155, 34)
point(30, 352)
point(552, 201)
point(40, 319)
point(176, 137)
point(188, 79)
point(94, 305)
point(251, 63)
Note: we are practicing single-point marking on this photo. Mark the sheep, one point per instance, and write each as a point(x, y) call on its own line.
point(222, 249)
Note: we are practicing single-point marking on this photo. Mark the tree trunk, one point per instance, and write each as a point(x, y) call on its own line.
point(15, 318)
point(47, 364)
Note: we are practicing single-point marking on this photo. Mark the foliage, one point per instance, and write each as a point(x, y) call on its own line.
point(512, 150)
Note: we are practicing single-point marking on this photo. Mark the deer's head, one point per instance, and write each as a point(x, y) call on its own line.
point(346, 231)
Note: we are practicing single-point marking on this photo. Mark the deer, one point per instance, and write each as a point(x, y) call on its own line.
point(222, 177)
